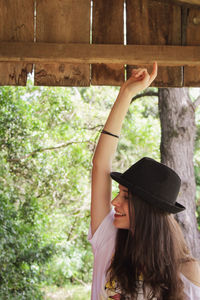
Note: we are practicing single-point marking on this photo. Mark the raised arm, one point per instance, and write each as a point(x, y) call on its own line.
point(107, 144)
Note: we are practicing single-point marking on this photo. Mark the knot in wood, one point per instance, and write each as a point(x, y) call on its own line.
point(196, 20)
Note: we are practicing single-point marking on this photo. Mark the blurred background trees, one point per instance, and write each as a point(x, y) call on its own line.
point(47, 139)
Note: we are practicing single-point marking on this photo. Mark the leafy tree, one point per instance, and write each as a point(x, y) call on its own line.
point(23, 249)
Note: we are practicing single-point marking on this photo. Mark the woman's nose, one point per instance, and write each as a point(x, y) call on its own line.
point(115, 201)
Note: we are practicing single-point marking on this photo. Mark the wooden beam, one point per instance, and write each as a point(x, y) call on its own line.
point(191, 2)
point(188, 3)
point(85, 53)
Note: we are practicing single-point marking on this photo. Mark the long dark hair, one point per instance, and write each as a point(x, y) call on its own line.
point(153, 247)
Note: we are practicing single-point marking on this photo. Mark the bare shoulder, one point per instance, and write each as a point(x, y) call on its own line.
point(191, 270)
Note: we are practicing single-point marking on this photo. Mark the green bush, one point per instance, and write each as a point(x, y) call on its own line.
point(21, 254)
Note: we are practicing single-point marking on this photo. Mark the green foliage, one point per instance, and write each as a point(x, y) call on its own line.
point(22, 252)
point(74, 259)
point(40, 138)
point(23, 248)
point(141, 132)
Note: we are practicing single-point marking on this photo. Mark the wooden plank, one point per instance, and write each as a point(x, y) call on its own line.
point(185, 3)
point(107, 28)
point(62, 74)
point(191, 2)
point(192, 74)
point(15, 25)
point(66, 21)
point(108, 54)
point(154, 23)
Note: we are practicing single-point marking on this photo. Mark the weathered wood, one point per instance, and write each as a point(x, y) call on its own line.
point(107, 28)
point(192, 2)
point(192, 74)
point(185, 3)
point(14, 73)
point(66, 21)
point(116, 54)
point(16, 24)
point(62, 74)
point(154, 23)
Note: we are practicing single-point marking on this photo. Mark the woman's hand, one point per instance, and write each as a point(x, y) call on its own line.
point(140, 79)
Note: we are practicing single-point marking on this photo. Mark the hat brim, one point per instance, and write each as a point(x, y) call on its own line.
point(148, 197)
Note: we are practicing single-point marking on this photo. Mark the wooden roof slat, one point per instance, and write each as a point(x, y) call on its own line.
point(192, 74)
point(191, 2)
point(86, 54)
point(15, 25)
point(66, 21)
point(183, 3)
point(146, 25)
point(107, 27)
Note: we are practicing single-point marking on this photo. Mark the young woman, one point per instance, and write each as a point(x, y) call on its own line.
point(139, 250)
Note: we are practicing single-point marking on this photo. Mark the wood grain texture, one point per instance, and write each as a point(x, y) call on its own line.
point(191, 2)
point(154, 23)
point(62, 74)
point(192, 74)
point(16, 25)
point(63, 21)
point(107, 28)
point(183, 3)
point(95, 53)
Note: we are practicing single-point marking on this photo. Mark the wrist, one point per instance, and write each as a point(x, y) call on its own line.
point(125, 93)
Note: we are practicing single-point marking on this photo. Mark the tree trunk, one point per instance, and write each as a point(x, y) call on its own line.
point(177, 116)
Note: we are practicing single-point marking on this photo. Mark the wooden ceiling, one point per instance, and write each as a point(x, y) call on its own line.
point(84, 42)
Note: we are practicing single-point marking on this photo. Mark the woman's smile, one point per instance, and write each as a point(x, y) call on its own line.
point(119, 214)
point(120, 202)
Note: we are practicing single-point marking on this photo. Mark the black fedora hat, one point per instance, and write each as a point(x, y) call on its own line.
point(153, 182)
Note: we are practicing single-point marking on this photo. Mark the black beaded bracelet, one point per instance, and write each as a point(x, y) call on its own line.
point(109, 133)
